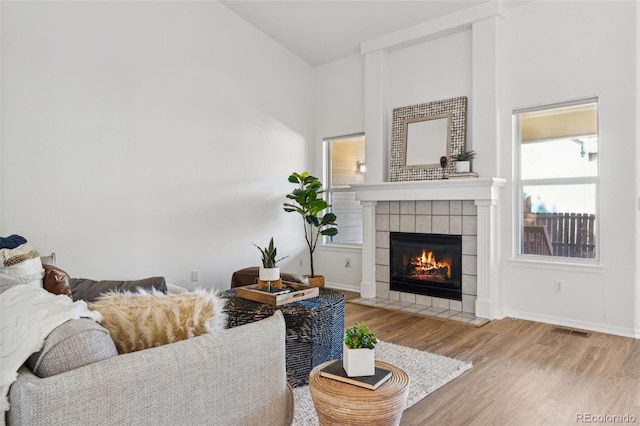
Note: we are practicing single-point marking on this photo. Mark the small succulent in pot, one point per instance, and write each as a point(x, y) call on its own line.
point(358, 358)
point(463, 161)
point(269, 270)
point(360, 337)
point(269, 255)
point(464, 156)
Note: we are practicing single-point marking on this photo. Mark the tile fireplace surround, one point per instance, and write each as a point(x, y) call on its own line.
point(464, 207)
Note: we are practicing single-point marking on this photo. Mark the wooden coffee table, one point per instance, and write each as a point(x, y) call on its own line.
point(339, 403)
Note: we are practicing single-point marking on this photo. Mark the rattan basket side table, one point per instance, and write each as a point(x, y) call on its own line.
point(315, 328)
point(339, 403)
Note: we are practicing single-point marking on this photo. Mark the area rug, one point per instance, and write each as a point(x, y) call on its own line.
point(427, 372)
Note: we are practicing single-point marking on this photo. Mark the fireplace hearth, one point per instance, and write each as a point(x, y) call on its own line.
point(426, 264)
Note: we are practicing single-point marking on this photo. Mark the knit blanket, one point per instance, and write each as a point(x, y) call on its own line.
point(27, 315)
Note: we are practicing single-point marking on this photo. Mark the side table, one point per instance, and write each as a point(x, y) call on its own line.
point(339, 403)
point(315, 328)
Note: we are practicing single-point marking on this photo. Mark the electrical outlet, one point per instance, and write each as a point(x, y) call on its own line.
point(195, 275)
point(558, 286)
point(347, 262)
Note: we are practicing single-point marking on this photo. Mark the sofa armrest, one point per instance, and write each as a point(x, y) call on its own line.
point(234, 376)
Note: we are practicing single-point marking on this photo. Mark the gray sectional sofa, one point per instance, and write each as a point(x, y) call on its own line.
point(231, 377)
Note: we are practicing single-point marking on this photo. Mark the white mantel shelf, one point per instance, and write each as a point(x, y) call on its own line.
point(444, 189)
point(485, 194)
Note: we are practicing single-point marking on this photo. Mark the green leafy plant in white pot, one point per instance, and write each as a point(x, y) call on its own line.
point(358, 358)
point(463, 161)
point(269, 271)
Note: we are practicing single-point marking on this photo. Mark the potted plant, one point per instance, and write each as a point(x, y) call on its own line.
point(307, 201)
point(269, 271)
point(358, 357)
point(463, 161)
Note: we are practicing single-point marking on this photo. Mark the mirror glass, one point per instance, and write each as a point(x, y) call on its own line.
point(426, 140)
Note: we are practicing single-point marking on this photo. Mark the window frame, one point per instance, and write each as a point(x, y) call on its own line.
point(520, 183)
point(329, 189)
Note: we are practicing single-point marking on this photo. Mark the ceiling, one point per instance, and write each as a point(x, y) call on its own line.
point(320, 31)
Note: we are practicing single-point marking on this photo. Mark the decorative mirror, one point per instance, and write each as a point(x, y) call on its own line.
point(424, 133)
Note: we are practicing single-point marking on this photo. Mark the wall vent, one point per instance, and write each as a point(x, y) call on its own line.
point(570, 331)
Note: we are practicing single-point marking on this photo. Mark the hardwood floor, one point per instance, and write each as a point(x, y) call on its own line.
point(523, 373)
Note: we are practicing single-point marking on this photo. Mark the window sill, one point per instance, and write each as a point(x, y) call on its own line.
point(341, 247)
point(588, 266)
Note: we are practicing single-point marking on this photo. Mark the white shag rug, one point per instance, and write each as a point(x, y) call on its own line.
point(427, 372)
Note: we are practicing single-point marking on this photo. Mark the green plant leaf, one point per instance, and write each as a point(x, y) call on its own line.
point(328, 219)
point(313, 220)
point(329, 232)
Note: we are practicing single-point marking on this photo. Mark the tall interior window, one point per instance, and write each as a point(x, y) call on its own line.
point(344, 165)
point(558, 179)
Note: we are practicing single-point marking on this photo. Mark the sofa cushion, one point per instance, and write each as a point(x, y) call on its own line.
point(148, 319)
point(90, 290)
point(56, 280)
point(71, 345)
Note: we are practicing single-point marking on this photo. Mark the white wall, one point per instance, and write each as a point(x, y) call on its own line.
point(431, 71)
point(149, 138)
point(557, 51)
point(547, 52)
point(339, 110)
point(427, 72)
point(637, 161)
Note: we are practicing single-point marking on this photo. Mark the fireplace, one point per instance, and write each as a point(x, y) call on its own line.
point(427, 264)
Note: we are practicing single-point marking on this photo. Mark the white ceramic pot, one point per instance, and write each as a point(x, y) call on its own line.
point(463, 166)
point(358, 362)
point(269, 274)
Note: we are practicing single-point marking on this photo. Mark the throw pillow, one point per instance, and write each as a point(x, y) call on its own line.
point(148, 319)
point(90, 290)
point(56, 280)
point(27, 272)
point(71, 345)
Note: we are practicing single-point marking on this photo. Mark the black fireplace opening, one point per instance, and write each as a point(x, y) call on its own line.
point(427, 264)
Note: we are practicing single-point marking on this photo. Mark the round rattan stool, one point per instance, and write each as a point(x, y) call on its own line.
point(340, 403)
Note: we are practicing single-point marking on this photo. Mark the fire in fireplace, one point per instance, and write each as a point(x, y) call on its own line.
point(427, 264)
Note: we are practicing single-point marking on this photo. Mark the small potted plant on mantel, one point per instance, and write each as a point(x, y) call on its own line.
point(463, 161)
point(269, 271)
point(358, 358)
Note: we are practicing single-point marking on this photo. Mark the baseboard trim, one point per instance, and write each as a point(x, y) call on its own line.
point(341, 286)
point(567, 322)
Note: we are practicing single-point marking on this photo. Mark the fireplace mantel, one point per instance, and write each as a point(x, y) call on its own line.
point(485, 194)
point(445, 189)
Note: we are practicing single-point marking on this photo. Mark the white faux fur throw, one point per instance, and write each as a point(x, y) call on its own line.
point(148, 319)
point(27, 315)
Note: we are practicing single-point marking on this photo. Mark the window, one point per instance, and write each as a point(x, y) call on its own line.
point(557, 179)
point(344, 165)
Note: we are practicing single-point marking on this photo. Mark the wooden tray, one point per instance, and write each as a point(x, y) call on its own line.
point(302, 292)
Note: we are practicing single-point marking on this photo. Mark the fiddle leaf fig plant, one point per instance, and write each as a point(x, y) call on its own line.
point(269, 255)
point(360, 337)
point(306, 200)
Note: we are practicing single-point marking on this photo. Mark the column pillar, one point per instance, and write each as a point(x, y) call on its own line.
point(489, 301)
point(368, 284)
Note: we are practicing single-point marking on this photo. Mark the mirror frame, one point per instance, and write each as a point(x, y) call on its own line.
point(454, 143)
point(444, 141)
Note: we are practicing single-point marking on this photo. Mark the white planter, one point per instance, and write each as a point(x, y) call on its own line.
point(358, 362)
point(269, 274)
point(463, 166)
